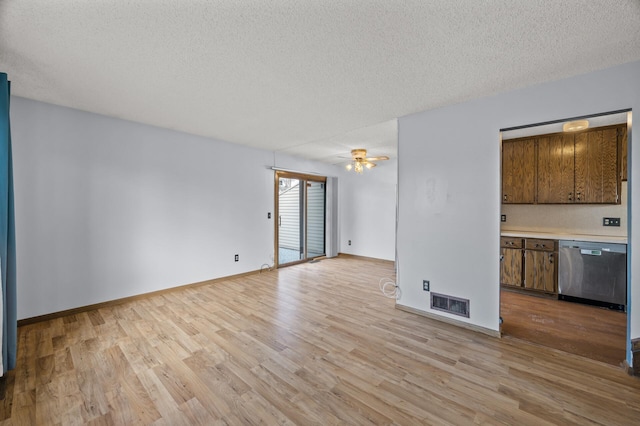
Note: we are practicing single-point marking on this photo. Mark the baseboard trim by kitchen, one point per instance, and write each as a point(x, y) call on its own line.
point(451, 321)
point(373, 259)
point(110, 303)
point(627, 368)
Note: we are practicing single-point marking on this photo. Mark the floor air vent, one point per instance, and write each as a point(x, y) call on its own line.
point(453, 305)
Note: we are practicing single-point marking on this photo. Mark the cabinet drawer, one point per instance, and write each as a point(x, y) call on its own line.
point(510, 242)
point(536, 244)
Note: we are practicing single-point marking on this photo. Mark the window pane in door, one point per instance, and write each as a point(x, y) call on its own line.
point(290, 242)
point(315, 219)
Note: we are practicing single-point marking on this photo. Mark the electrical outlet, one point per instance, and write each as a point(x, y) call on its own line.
point(237, 257)
point(269, 215)
point(610, 221)
point(503, 218)
point(425, 285)
point(349, 242)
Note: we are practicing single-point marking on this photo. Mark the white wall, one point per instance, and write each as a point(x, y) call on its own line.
point(368, 211)
point(107, 208)
point(449, 186)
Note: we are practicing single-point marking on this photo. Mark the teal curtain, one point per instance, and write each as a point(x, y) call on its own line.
point(7, 233)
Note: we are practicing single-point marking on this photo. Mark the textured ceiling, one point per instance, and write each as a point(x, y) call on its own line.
point(308, 78)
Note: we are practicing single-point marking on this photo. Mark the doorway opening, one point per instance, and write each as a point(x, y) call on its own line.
point(551, 205)
point(300, 218)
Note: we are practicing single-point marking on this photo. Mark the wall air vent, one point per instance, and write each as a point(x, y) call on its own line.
point(453, 305)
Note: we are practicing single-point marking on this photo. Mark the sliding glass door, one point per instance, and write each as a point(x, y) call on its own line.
point(300, 217)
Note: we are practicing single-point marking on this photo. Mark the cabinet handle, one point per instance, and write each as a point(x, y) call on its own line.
point(578, 196)
point(550, 257)
point(570, 196)
point(504, 197)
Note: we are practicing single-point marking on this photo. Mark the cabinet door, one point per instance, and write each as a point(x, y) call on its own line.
point(518, 171)
point(555, 169)
point(539, 271)
point(596, 170)
point(622, 138)
point(511, 267)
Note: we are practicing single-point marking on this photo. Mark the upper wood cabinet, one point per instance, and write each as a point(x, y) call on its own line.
point(556, 168)
point(596, 167)
point(518, 171)
point(564, 168)
point(623, 153)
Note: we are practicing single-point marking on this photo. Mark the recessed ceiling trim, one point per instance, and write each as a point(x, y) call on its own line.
point(581, 117)
point(280, 169)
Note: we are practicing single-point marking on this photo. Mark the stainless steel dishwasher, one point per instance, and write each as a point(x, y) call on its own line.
point(594, 273)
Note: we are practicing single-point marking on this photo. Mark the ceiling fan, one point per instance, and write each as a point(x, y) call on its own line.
point(359, 160)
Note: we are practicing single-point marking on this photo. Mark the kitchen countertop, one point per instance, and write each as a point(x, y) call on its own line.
point(565, 236)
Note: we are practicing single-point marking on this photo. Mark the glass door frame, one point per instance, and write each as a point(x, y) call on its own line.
point(303, 178)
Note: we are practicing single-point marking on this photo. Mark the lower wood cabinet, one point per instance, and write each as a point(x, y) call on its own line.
point(511, 264)
point(529, 264)
point(540, 271)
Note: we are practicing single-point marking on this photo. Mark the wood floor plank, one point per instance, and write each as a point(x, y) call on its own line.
point(308, 344)
point(195, 413)
point(584, 330)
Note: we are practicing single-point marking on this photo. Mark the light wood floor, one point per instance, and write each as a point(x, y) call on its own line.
point(584, 330)
point(309, 344)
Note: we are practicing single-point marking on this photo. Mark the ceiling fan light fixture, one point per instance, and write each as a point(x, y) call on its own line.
point(575, 126)
point(359, 160)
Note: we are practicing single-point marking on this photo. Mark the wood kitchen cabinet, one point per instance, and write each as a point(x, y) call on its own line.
point(511, 261)
point(529, 264)
point(540, 268)
point(622, 137)
point(518, 171)
point(596, 166)
point(556, 169)
point(565, 168)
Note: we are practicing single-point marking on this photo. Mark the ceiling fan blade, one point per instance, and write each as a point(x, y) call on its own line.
point(381, 158)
